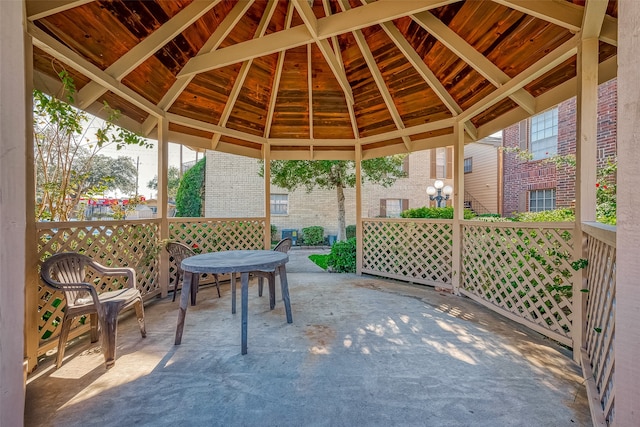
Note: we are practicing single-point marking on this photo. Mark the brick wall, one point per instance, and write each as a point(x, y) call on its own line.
point(522, 176)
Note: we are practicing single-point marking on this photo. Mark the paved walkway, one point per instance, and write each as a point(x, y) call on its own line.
point(361, 351)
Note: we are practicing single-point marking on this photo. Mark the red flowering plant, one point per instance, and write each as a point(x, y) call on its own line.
point(606, 192)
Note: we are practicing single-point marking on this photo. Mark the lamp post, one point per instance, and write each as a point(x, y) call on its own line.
point(436, 192)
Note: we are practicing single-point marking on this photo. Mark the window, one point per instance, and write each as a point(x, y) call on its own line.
point(441, 162)
point(468, 165)
point(279, 204)
point(542, 200)
point(392, 208)
point(543, 136)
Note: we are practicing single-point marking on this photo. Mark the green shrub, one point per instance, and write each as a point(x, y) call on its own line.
point(342, 258)
point(274, 233)
point(351, 231)
point(191, 191)
point(556, 215)
point(313, 235)
point(427, 212)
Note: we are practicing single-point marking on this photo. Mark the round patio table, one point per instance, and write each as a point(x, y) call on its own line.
point(243, 262)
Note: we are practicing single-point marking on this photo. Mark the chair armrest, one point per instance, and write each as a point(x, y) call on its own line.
point(117, 271)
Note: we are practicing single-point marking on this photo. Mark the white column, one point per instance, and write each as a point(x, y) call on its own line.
point(458, 206)
point(266, 155)
point(359, 231)
point(627, 340)
point(163, 198)
point(15, 107)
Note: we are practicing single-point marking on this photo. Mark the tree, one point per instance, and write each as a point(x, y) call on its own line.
point(67, 142)
point(335, 174)
point(173, 182)
point(191, 191)
point(115, 174)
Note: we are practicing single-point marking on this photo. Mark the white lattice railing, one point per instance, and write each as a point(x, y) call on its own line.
point(414, 250)
point(598, 353)
point(113, 243)
point(131, 243)
point(523, 271)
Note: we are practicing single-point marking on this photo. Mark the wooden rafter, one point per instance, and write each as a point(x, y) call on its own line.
point(221, 32)
point(475, 59)
point(310, 90)
point(147, 47)
point(208, 127)
point(244, 71)
point(374, 13)
point(38, 9)
point(594, 13)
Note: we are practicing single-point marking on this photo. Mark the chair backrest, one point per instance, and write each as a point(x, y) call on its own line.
point(67, 272)
point(179, 251)
point(283, 245)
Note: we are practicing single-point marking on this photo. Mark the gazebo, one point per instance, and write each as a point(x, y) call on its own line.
point(339, 80)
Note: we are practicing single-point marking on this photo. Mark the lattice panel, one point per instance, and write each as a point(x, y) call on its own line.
point(131, 244)
point(525, 270)
point(415, 251)
point(600, 320)
point(216, 235)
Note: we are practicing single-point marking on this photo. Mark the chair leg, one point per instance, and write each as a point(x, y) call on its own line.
point(233, 293)
point(62, 342)
point(215, 277)
point(272, 290)
point(195, 283)
point(93, 321)
point(260, 286)
point(110, 333)
point(140, 315)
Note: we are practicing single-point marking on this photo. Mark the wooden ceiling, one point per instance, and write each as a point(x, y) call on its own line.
point(318, 79)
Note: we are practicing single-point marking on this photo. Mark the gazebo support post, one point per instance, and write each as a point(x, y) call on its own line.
point(359, 231)
point(458, 206)
point(266, 155)
point(163, 198)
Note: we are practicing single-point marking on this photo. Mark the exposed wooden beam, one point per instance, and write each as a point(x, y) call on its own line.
point(310, 89)
point(418, 64)
point(221, 32)
point(209, 127)
point(38, 9)
point(59, 51)
point(380, 11)
point(594, 13)
point(147, 47)
point(475, 59)
point(545, 64)
point(308, 17)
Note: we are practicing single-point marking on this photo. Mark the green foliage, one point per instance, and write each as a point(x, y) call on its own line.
point(321, 260)
point(556, 215)
point(191, 190)
point(606, 189)
point(313, 235)
point(274, 233)
point(351, 231)
point(342, 258)
point(427, 212)
point(173, 182)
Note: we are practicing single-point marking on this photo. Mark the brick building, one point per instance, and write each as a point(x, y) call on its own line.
point(534, 183)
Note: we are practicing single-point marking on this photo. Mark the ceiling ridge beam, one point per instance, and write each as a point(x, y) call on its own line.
point(146, 48)
point(244, 71)
point(543, 65)
point(425, 72)
point(276, 80)
point(374, 13)
point(472, 57)
point(41, 9)
point(62, 53)
point(214, 41)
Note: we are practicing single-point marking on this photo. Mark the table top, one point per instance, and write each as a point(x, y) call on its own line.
point(234, 261)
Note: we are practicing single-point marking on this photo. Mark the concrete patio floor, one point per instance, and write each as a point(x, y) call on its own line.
point(361, 351)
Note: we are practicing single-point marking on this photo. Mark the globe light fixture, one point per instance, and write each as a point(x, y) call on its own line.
point(439, 192)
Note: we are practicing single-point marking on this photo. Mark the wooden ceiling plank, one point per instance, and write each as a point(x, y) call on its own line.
point(221, 32)
point(380, 11)
point(208, 127)
point(594, 13)
point(38, 9)
point(310, 89)
point(61, 52)
point(277, 77)
point(475, 59)
point(545, 64)
point(147, 47)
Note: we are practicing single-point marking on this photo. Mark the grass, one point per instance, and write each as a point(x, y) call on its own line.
point(320, 260)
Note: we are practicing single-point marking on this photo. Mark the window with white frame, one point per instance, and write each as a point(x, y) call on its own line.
point(468, 165)
point(543, 135)
point(441, 162)
point(542, 200)
point(279, 204)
